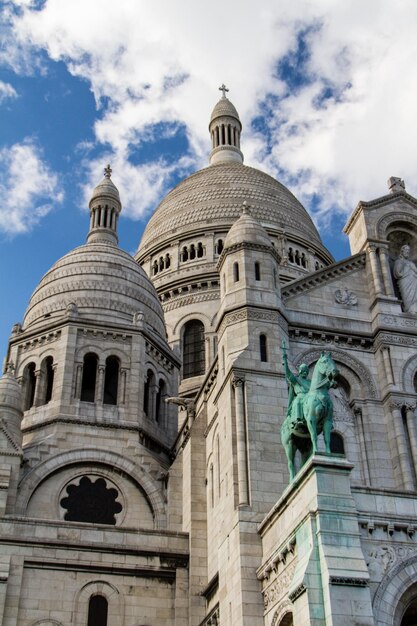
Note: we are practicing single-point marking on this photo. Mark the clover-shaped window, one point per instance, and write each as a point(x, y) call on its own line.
point(90, 501)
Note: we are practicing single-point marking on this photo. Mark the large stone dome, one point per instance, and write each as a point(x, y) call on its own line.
point(213, 198)
point(103, 282)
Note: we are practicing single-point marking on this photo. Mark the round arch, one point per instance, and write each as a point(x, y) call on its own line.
point(283, 614)
point(408, 373)
point(388, 220)
point(355, 372)
point(204, 319)
point(397, 589)
point(150, 487)
point(102, 588)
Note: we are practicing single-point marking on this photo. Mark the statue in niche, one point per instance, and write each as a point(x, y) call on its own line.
point(310, 408)
point(405, 272)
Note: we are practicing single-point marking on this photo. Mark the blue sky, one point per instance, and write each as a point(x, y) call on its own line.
point(326, 92)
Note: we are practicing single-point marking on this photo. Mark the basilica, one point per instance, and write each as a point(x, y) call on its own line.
point(143, 479)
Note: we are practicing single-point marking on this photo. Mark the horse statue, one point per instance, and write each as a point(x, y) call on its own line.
point(310, 408)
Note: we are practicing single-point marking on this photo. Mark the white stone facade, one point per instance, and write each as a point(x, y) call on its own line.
point(142, 476)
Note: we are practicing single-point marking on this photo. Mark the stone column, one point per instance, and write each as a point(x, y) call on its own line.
point(386, 272)
point(412, 431)
point(362, 444)
point(99, 392)
point(402, 448)
point(242, 462)
point(387, 364)
point(374, 261)
point(121, 393)
point(78, 379)
point(39, 388)
point(153, 391)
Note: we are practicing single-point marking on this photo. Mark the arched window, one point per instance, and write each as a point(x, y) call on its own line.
point(290, 255)
point(88, 383)
point(29, 381)
point(48, 371)
point(184, 254)
point(337, 445)
point(155, 267)
point(303, 260)
point(200, 250)
point(98, 608)
point(167, 261)
point(193, 357)
point(219, 246)
point(111, 380)
point(149, 383)
point(263, 348)
point(161, 263)
point(257, 271)
point(192, 251)
point(159, 412)
point(297, 257)
point(236, 272)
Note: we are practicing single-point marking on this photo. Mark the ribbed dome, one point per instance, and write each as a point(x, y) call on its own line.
point(247, 230)
point(103, 282)
point(213, 198)
point(224, 107)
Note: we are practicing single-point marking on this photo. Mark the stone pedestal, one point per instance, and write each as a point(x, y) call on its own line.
point(313, 532)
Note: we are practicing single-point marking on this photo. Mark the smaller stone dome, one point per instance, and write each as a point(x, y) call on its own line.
point(106, 188)
point(222, 108)
point(247, 230)
point(10, 392)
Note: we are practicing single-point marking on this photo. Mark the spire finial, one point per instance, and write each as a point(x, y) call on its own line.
point(224, 89)
point(107, 171)
point(245, 208)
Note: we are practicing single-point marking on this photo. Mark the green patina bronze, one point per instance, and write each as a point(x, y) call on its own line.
point(310, 408)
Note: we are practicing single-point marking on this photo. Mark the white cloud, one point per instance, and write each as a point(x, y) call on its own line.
point(6, 91)
point(29, 191)
point(162, 61)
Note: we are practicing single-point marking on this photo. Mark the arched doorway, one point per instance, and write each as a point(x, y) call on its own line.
point(410, 616)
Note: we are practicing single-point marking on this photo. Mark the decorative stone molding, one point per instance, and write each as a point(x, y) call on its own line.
point(176, 301)
point(349, 582)
point(278, 588)
point(279, 557)
point(249, 313)
point(297, 592)
point(408, 373)
point(160, 357)
point(394, 585)
point(281, 611)
point(345, 296)
point(320, 277)
point(40, 340)
point(329, 338)
point(387, 220)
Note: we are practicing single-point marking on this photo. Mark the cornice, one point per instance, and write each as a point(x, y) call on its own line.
point(373, 204)
point(346, 266)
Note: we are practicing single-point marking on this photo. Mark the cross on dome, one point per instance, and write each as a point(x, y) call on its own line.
point(224, 89)
point(107, 171)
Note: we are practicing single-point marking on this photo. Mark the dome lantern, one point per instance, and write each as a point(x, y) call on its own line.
point(105, 207)
point(225, 128)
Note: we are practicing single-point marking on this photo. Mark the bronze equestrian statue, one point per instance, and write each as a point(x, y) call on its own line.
point(310, 408)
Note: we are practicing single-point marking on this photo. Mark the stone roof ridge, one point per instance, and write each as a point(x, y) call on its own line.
point(311, 281)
